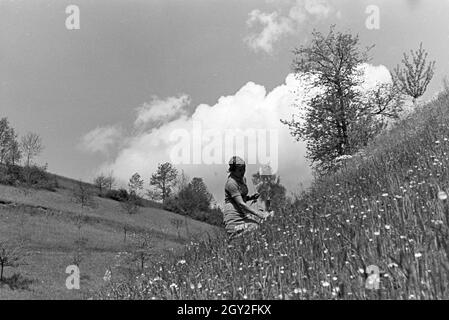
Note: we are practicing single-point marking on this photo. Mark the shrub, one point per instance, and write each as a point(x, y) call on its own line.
point(11, 175)
point(37, 177)
point(32, 176)
point(117, 195)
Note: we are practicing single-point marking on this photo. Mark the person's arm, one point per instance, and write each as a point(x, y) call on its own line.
point(246, 208)
point(253, 197)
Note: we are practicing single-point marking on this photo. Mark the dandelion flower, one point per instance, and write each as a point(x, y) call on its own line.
point(325, 283)
point(107, 276)
point(442, 195)
point(376, 233)
point(387, 227)
point(392, 265)
point(418, 255)
point(192, 286)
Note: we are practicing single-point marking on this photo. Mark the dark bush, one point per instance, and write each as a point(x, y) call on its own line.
point(117, 195)
point(122, 195)
point(173, 204)
point(211, 216)
point(11, 175)
point(32, 176)
point(37, 177)
point(17, 282)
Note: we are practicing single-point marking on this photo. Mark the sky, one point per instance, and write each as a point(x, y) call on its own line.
point(140, 79)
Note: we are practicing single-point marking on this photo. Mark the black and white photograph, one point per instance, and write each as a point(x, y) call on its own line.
point(224, 150)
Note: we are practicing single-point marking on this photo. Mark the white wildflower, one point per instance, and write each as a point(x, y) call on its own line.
point(442, 195)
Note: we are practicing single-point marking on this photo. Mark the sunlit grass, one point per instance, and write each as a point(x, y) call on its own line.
point(386, 208)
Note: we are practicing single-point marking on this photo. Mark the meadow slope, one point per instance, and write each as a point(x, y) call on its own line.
point(386, 208)
point(51, 224)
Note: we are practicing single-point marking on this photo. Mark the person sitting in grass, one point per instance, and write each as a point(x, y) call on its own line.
point(238, 216)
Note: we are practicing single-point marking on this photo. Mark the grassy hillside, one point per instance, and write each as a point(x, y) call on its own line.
point(386, 208)
point(52, 226)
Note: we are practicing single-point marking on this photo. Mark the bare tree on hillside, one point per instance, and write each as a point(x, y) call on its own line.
point(142, 248)
point(83, 195)
point(11, 255)
point(110, 181)
point(101, 182)
point(31, 146)
point(177, 223)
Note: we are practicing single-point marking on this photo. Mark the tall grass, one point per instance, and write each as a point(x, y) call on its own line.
point(386, 208)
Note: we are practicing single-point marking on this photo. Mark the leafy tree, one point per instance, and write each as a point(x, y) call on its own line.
point(338, 117)
point(14, 153)
point(193, 198)
point(201, 195)
point(181, 181)
point(31, 146)
point(9, 147)
point(132, 202)
point(414, 76)
point(101, 182)
point(135, 184)
point(163, 180)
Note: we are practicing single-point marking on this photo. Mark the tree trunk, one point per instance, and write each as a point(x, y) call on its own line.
point(342, 119)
